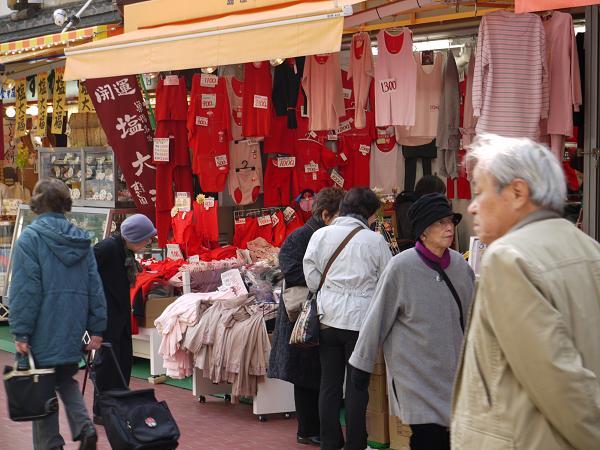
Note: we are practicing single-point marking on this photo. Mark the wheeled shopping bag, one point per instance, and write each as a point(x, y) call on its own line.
point(135, 420)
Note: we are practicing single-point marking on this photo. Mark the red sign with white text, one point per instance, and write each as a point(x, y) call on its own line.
point(123, 115)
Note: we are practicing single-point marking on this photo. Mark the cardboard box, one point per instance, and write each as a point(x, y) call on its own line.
point(399, 434)
point(378, 427)
point(154, 308)
point(378, 399)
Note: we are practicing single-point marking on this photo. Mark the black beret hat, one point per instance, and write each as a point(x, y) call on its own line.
point(429, 209)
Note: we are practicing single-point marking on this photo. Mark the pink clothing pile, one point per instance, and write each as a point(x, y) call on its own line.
point(230, 344)
point(173, 323)
point(261, 250)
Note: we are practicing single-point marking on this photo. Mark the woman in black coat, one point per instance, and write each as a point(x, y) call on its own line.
point(118, 268)
point(300, 366)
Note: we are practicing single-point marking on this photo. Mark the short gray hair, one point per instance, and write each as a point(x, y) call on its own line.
point(507, 159)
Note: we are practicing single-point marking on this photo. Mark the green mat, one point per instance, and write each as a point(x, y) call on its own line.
point(7, 342)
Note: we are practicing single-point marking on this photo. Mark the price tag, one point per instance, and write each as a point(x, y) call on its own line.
point(195, 259)
point(233, 279)
point(343, 156)
point(364, 149)
point(209, 202)
point(337, 178)
point(347, 94)
point(275, 220)
point(311, 168)
point(221, 160)
point(208, 80)
point(161, 149)
point(261, 102)
point(171, 80)
point(240, 221)
point(388, 85)
point(209, 101)
point(332, 136)
point(264, 220)
point(174, 252)
point(183, 201)
point(289, 161)
point(345, 126)
point(312, 135)
point(202, 121)
point(288, 213)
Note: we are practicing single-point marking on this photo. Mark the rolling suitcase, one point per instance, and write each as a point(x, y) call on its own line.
point(135, 420)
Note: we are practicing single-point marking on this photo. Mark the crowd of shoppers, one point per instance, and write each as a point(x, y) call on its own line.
point(514, 366)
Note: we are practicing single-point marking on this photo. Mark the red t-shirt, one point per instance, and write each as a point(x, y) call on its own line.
point(313, 160)
point(210, 132)
point(354, 145)
point(257, 104)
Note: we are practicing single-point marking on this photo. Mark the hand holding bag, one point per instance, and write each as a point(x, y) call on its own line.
point(306, 329)
point(31, 393)
point(293, 299)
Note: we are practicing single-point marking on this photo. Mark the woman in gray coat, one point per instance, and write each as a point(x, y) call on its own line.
point(419, 321)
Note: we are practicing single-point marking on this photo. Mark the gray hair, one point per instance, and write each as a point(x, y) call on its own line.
point(507, 159)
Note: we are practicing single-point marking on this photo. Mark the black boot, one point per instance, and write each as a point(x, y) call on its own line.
point(88, 438)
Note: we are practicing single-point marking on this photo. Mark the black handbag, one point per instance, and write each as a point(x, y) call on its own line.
point(307, 327)
point(31, 393)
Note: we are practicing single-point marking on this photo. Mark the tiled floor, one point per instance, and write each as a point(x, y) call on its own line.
point(213, 425)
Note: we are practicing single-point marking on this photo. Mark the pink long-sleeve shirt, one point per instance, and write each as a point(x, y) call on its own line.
point(510, 84)
point(565, 82)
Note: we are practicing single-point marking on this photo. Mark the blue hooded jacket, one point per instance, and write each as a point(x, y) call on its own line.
point(55, 293)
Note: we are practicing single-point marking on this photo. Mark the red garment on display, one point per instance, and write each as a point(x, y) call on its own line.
point(207, 224)
point(220, 253)
point(245, 230)
point(265, 231)
point(171, 99)
point(281, 140)
point(279, 228)
point(278, 182)
point(257, 106)
point(162, 270)
point(355, 146)
point(295, 223)
point(209, 128)
point(312, 162)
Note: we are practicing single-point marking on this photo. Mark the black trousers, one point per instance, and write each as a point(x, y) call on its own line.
point(410, 171)
point(307, 411)
point(336, 347)
point(429, 436)
point(107, 375)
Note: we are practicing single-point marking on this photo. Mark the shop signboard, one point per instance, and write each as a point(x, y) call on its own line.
point(42, 92)
point(124, 118)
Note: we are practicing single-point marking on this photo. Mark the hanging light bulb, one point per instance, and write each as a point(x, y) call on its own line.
point(277, 61)
point(208, 69)
point(32, 110)
point(11, 112)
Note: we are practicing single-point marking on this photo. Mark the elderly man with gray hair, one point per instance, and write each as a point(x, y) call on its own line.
point(529, 372)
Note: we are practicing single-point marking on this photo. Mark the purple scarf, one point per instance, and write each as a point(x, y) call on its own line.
point(430, 259)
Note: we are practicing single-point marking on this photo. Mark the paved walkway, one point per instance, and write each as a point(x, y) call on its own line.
point(214, 425)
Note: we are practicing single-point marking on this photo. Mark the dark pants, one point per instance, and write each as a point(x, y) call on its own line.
point(307, 411)
point(429, 436)
point(46, 434)
point(107, 375)
point(410, 171)
point(336, 347)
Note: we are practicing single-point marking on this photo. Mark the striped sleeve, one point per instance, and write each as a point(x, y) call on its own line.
point(477, 89)
point(545, 72)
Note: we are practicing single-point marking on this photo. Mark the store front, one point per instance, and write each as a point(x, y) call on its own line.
point(227, 119)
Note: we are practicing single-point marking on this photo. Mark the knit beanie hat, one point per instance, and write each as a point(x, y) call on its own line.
point(137, 228)
point(429, 209)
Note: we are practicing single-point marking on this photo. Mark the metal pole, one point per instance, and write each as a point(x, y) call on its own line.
point(78, 15)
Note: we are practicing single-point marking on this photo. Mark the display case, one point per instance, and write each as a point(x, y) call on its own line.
point(91, 174)
point(98, 222)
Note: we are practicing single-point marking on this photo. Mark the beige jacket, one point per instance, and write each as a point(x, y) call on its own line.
point(528, 376)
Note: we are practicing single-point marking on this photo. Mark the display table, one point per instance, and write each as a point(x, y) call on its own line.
point(273, 396)
point(145, 345)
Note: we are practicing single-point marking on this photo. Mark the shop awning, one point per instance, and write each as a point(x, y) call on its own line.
point(304, 28)
point(522, 6)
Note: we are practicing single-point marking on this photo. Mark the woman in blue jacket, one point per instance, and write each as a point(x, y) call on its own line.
point(55, 296)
